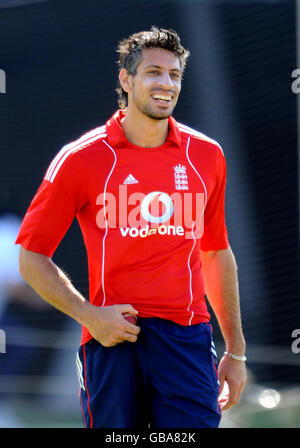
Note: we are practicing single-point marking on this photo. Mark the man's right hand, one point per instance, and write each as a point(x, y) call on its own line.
point(109, 327)
point(106, 324)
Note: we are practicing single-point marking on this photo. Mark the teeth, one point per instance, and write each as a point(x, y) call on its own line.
point(161, 97)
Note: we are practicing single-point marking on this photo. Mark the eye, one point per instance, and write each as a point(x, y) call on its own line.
point(153, 72)
point(175, 75)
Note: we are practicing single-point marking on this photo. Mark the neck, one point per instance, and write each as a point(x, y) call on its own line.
point(144, 131)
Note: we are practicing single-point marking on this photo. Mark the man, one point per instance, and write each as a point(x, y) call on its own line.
point(133, 185)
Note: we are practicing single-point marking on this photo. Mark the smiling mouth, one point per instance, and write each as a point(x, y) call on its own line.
point(162, 99)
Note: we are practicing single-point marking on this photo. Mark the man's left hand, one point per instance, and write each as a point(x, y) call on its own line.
point(234, 373)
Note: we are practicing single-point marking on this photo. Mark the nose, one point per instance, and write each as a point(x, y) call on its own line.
point(165, 81)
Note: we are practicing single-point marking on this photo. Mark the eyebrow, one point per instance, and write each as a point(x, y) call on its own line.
point(159, 66)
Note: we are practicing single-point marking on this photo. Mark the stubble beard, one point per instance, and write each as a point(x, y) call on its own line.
point(155, 116)
point(148, 110)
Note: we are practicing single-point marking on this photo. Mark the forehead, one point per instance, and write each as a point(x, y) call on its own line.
point(159, 57)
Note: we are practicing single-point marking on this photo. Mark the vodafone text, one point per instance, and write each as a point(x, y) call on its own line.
point(155, 213)
point(146, 231)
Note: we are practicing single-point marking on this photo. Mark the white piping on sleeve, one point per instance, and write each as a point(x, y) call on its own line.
point(106, 226)
point(64, 154)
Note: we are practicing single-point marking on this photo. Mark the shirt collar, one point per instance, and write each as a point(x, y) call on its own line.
point(116, 136)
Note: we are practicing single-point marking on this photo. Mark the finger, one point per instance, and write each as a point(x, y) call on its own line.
point(129, 337)
point(223, 398)
point(226, 406)
point(223, 401)
point(233, 399)
point(126, 308)
point(222, 382)
point(109, 343)
point(133, 329)
point(129, 327)
point(221, 387)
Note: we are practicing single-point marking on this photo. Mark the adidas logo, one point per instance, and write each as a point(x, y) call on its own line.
point(130, 180)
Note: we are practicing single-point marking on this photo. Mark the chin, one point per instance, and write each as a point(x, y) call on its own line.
point(156, 115)
point(159, 117)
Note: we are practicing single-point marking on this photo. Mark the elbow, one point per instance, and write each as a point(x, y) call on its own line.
point(212, 254)
point(23, 265)
point(31, 264)
point(28, 262)
point(224, 256)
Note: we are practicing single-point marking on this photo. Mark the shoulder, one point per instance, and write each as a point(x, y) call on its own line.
point(203, 140)
point(74, 151)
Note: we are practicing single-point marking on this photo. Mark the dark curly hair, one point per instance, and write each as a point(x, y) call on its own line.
point(130, 51)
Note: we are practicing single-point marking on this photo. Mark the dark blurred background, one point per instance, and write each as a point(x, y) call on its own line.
point(60, 63)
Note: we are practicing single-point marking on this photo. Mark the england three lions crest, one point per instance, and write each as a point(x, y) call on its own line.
point(180, 177)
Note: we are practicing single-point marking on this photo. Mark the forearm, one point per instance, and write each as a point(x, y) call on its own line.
point(221, 284)
point(50, 282)
point(106, 324)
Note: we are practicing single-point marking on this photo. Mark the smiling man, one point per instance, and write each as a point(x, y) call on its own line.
point(148, 194)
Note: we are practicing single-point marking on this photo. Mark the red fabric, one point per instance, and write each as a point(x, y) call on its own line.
point(158, 271)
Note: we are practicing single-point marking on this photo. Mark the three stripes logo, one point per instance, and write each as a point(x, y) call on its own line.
point(79, 371)
point(130, 180)
point(215, 358)
point(71, 148)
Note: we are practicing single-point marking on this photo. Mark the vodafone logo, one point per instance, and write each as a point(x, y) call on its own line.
point(157, 207)
point(156, 213)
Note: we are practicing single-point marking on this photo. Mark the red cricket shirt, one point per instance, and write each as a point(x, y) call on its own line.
point(144, 214)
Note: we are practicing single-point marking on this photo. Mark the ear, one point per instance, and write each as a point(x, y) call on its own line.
point(125, 80)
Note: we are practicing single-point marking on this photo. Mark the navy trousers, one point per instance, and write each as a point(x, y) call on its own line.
point(167, 379)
